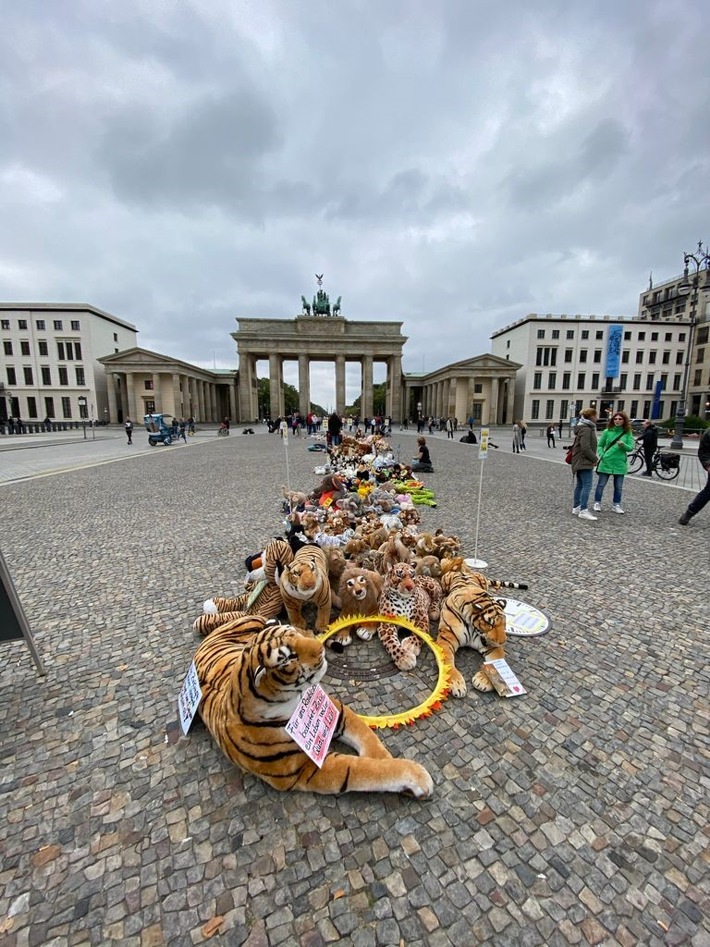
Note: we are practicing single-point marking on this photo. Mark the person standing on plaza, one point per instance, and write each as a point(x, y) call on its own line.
point(523, 431)
point(559, 427)
point(450, 428)
point(335, 426)
point(129, 430)
point(516, 438)
point(702, 498)
point(183, 429)
point(649, 440)
point(615, 443)
point(551, 435)
point(584, 460)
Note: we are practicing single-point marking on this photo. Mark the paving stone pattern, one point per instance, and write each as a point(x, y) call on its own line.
point(577, 814)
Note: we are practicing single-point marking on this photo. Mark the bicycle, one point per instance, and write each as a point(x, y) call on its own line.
point(664, 464)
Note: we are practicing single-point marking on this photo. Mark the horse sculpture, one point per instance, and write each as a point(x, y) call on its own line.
point(336, 306)
point(306, 305)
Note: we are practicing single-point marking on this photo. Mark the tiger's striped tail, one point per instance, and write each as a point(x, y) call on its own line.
point(500, 584)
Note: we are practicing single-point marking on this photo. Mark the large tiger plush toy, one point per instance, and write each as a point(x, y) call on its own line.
point(305, 581)
point(471, 618)
point(252, 675)
point(262, 595)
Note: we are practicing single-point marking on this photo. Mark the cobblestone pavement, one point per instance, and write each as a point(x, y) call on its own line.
point(576, 814)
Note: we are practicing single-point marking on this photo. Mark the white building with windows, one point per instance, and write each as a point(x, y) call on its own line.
point(49, 360)
point(608, 362)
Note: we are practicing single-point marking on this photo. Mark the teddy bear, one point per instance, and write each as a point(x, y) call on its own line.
point(359, 592)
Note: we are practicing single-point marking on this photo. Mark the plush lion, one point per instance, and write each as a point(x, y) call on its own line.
point(359, 592)
point(252, 676)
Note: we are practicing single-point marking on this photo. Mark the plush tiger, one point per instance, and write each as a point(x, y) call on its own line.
point(305, 581)
point(415, 597)
point(262, 595)
point(252, 675)
point(471, 618)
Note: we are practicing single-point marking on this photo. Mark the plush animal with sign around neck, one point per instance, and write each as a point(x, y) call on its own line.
point(252, 675)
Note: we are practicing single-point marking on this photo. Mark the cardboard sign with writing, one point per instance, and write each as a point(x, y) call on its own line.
point(502, 678)
point(313, 723)
point(189, 699)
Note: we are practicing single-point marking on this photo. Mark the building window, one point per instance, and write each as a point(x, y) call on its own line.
point(634, 409)
point(552, 380)
point(597, 355)
point(637, 382)
point(652, 357)
point(564, 405)
point(22, 324)
point(666, 359)
point(555, 333)
point(649, 382)
point(623, 380)
point(507, 344)
point(115, 337)
point(31, 406)
point(676, 383)
point(46, 375)
point(669, 336)
point(40, 325)
point(11, 376)
point(566, 381)
point(70, 351)
point(583, 355)
point(7, 346)
point(585, 333)
point(60, 351)
point(700, 355)
point(537, 381)
point(654, 337)
point(702, 335)
point(581, 380)
point(698, 376)
point(534, 409)
point(5, 324)
point(595, 380)
point(75, 325)
point(541, 333)
point(549, 409)
point(642, 336)
point(569, 355)
point(148, 384)
point(79, 375)
point(570, 333)
point(25, 347)
point(77, 351)
point(627, 336)
point(66, 407)
point(478, 388)
point(681, 336)
point(647, 409)
point(49, 407)
point(27, 371)
point(639, 358)
point(664, 381)
point(599, 334)
point(58, 328)
point(546, 356)
point(679, 358)
point(43, 349)
point(63, 376)
point(625, 358)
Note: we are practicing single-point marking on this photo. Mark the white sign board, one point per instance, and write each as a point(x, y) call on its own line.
point(313, 723)
point(483, 449)
point(524, 620)
point(189, 699)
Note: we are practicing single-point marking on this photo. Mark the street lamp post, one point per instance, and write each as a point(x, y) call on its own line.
point(82, 409)
point(700, 260)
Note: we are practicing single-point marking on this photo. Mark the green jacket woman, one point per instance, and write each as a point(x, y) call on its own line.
point(615, 442)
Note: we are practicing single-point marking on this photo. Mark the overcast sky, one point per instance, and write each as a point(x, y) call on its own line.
point(451, 164)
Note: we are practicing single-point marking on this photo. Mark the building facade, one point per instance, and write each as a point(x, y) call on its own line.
point(611, 363)
point(664, 303)
point(49, 360)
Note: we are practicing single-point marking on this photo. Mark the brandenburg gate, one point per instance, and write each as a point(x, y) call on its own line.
point(319, 334)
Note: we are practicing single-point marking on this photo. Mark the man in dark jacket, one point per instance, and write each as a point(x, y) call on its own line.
point(335, 426)
point(649, 439)
point(699, 501)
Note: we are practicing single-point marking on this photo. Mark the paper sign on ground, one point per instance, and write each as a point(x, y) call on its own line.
point(502, 678)
point(313, 723)
point(525, 620)
point(483, 449)
point(189, 699)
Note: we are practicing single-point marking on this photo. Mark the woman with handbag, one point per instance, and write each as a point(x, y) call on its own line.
point(614, 444)
point(584, 459)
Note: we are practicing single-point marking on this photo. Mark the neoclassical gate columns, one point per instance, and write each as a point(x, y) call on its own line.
point(320, 338)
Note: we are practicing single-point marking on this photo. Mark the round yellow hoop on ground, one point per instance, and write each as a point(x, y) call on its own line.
point(441, 688)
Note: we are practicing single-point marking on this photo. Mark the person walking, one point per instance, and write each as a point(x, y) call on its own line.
point(551, 435)
point(702, 498)
point(183, 429)
point(615, 443)
point(129, 430)
point(516, 438)
point(649, 440)
point(523, 432)
point(584, 460)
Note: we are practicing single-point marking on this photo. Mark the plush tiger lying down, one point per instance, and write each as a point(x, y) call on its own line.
point(252, 674)
point(471, 618)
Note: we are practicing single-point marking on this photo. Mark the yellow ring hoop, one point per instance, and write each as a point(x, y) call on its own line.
point(441, 688)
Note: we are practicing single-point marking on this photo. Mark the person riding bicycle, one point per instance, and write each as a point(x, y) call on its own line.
point(649, 441)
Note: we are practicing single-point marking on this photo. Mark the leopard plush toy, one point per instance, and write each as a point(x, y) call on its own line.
point(405, 594)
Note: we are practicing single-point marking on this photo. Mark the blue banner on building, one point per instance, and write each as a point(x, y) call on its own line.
point(656, 408)
point(613, 352)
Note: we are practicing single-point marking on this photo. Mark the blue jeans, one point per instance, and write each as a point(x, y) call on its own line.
point(582, 488)
point(601, 483)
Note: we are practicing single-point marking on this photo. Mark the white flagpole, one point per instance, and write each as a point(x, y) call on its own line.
point(477, 563)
